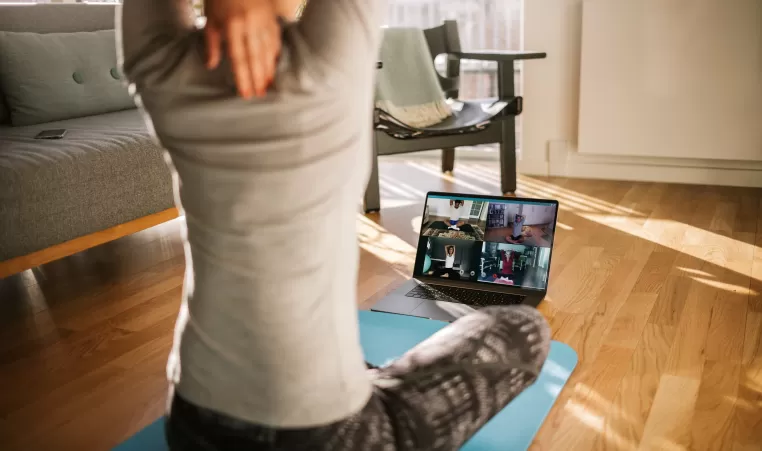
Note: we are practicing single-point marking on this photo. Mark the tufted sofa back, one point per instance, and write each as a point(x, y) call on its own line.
point(55, 18)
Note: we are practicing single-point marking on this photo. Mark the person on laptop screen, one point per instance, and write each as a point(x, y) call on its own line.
point(450, 258)
point(268, 135)
point(518, 226)
point(456, 212)
point(447, 269)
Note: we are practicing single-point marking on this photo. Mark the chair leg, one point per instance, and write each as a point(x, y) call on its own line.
point(448, 159)
point(372, 201)
point(508, 157)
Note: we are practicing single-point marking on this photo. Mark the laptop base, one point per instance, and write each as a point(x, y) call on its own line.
point(397, 302)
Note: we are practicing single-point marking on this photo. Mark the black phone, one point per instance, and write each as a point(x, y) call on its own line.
point(51, 134)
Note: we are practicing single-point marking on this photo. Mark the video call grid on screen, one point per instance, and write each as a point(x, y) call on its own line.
point(484, 240)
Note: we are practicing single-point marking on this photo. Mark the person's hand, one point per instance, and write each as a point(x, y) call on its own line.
point(253, 39)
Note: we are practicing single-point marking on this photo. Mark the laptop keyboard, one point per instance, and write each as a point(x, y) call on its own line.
point(477, 298)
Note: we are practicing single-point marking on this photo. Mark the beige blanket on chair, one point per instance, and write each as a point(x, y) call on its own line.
point(408, 87)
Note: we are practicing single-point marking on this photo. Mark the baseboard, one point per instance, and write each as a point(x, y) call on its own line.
point(562, 160)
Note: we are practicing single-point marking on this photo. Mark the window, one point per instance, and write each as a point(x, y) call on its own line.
point(476, 209)
point(483, 24)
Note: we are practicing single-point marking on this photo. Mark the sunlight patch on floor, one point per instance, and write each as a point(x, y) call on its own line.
point(598, 423)
point(386, 246)
point(586, 416)
point(726, 286)
point(590, 201)
point(409, 190)
point(397, 203)
point(695, 272)
point(437, 173)
point(714, 248)
point(665, 445)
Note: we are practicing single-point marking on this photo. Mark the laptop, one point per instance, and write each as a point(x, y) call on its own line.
point(476, 251)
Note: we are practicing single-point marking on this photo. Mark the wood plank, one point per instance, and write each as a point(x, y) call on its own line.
point(583, 280)
point(747, 213)
point(655, 273)
point(584, 331)
point(748, 408)
point(687, 355)
point(713, 424)
point(589, 397)
point(755, 280)
point(669, 422)
point(670, 301)
point(625, 423)
point(724, 218)
point(71, 247)
point(80, 354)
point(725, 337)
point(752, 347)
point(627, 329)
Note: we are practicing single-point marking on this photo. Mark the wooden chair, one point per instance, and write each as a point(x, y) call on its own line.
point(459, 130)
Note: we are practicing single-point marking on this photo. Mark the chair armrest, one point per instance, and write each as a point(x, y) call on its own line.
point(499, 55)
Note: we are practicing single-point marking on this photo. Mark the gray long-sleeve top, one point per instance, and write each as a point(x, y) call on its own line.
point(270, 187)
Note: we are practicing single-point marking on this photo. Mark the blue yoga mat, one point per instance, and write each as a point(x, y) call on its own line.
point(386, 336)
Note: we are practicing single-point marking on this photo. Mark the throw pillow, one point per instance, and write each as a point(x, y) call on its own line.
point(56, 76)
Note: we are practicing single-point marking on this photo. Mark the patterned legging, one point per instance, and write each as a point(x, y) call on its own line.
point(435, 397)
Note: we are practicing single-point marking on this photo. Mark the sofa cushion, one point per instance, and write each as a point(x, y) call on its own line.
point(105, 172)
point(49, 77)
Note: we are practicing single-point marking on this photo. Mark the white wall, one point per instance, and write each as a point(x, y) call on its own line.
point(552, 93)
point(511, 210)
point(667, 78)
point(538, 214)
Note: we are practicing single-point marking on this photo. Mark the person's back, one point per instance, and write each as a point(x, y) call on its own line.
point(265, 187)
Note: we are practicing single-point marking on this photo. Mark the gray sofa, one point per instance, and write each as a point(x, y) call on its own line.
point(107, 170)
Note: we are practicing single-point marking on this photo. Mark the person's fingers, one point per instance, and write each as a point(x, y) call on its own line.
point(237, 48)
point(254, 55)
point(276, 42)
point(265, 59)
point(267, 45)
point(263, 42)
point(213, 45)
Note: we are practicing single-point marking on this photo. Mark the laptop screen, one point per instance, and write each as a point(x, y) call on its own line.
point(487, 240)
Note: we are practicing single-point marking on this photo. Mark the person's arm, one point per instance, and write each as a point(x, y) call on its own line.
point(342, 35)
point(148, 33)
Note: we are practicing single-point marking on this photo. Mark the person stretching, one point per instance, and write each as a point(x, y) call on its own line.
point(450, 257)
point(262, 139)
point(449, 265)
point(455, 213)
point(518, 225)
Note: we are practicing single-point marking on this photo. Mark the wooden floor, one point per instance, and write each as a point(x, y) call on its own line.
point(656, 286)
